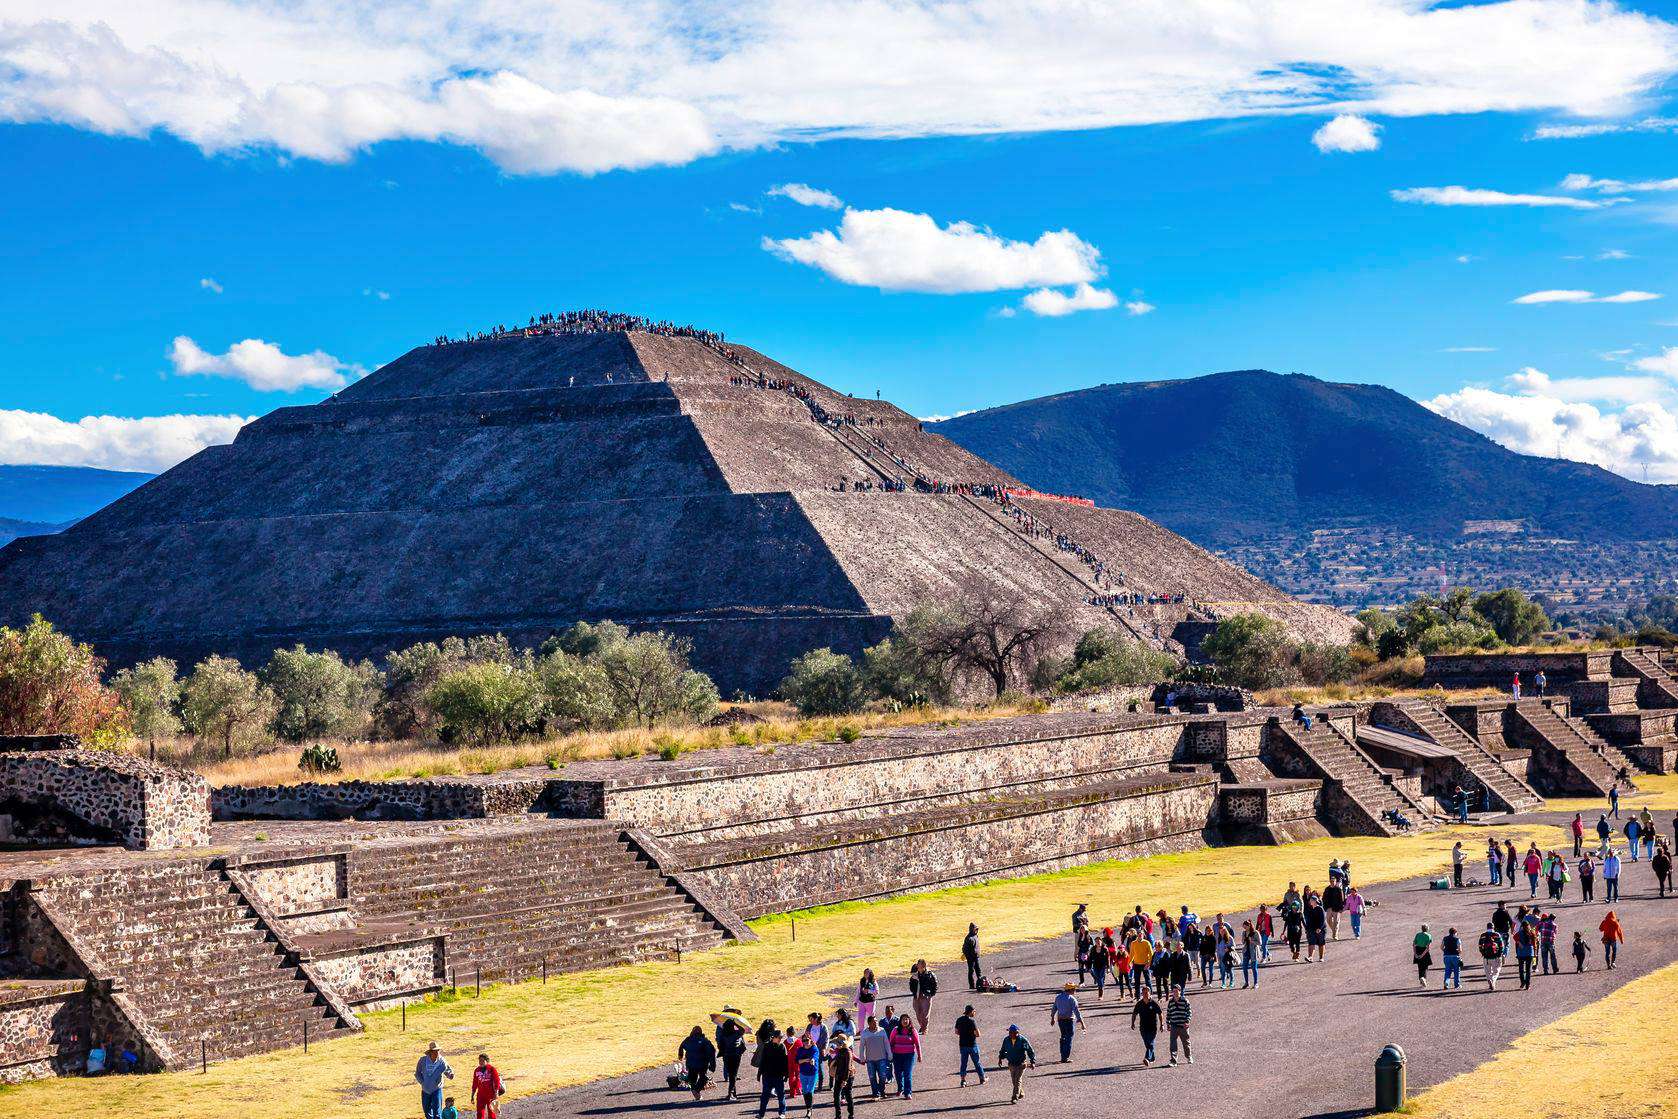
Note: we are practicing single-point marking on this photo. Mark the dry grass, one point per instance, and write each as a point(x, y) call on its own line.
point(1364, 692)
point(1610, 1058)
point(1658, 793)
point(603, 1023)
point(373, 761)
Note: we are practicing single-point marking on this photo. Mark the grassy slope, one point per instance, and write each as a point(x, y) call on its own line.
point(602, 1023)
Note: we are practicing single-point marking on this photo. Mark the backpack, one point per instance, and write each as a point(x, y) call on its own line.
point(929, 984)
point(1490, 944)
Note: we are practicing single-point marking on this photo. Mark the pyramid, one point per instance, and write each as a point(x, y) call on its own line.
point(521, 482)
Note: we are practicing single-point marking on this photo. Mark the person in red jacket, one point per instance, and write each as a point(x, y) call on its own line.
point(486, 1088)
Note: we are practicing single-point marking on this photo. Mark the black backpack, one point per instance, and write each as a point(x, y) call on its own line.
point(929, 984)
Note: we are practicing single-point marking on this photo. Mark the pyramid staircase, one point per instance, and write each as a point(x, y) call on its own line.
point(1656, 687)
point(1591, 756)
point(202, 971)
point(1346, 768)
point(1514, 794)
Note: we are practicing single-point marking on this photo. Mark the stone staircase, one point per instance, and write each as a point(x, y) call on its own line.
point(1655, 686)
point(1353, 773)
point(1595, 760)
point(563, 899)
point(206, 975)
point(1516, 794)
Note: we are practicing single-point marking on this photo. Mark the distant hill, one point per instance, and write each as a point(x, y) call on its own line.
point(48, 497)
point(10, 530)
point(1231, 457)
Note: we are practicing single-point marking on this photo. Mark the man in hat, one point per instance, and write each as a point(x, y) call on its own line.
point(731, 1046)
point(1016, 1053)
point(429, 1074)
point(841, 1067)
point(1068, 1017)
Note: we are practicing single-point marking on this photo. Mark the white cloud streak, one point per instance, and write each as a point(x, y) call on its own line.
point(541, 86)
point(895, 250)
point(1573, 295)
point(209, 284)
point(263, 366)
point(1049, 303)
point(1603, 128)
point(150, 443)
point(806, 195)
point(1348, 132)
point(1467, 196)
point(1617, 186)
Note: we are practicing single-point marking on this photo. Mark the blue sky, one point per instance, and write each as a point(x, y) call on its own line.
point(151, 225)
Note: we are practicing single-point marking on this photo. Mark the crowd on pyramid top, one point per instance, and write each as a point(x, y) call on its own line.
point(592, 321)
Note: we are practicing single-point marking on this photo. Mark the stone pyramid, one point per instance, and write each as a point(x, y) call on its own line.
point(521, 482)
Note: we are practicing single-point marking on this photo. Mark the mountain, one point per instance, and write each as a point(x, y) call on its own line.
point(11, 530)
point(1231, 457)
point(47, 496)
point(520, 482)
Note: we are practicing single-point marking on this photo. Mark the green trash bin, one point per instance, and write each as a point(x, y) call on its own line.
point(1389, 1079)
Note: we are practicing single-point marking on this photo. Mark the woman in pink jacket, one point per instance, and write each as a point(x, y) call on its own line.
point(905, 1050)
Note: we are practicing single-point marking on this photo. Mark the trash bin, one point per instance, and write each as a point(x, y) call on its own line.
point(1389, 1079)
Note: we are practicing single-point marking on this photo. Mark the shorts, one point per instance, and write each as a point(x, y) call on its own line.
point(1317, 937)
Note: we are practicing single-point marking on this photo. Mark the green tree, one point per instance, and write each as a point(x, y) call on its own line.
point(409, 674)
point(487, 703)
point(222, 702)
point(578, 690)
point(50, 684)
point(586, 639)
point(1105, 658)
point(151, 692)
point(650, 678)
point(823, 682)
point(1514, 617)
point(912, 665)
point(1373, 624)
point(317, 695)
point(1252, 651)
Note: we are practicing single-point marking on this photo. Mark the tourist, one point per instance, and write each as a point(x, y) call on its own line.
point(1141, 951)
point(1612, 937)
point(1450, 950)
point(1646, 829)
point(1491, 954)
point(1293, 922)
point(450, 1111)
point(967, 1041)
point(1534, 867)
point(1066, 1015)
point(817, 1033)
point(1316, 926)
point(1226, 952)
point(1458, 857)
point(1614, 800)
point(429, 1074)
point(1206, 945)
point(905, 1049)
point(1510, 863)
point(805, 1058)
point(867, 991)
point(699, 1059)
point(1017, 1054)
point(772, 1069)
point(1177, 1015)
point(1080, 917)
point(1633, 827)
point(1580, 951)
point(487, 1089)
point(1181, 967)
point(1515, 686)
point(922, 986)
point(1540, 682)
point(1603, 831)
point(1161, 969)
point(1577, 828)
point(1558, 876)
point(1120, 952)
point(842, 1025)
point(1145, 1017)
point(875, 1051)
point(1249, 955)
point(841, 1073)
point(731, 1047)
point(1422, 954)
point(1355, 905)
point(1526, 950)
point(1334, 904)
point(1494, 863)
point(1611, 876)
point(1083, 944)
point(1587, 877)
point(1661, 864)
point(1265, 926)
point(1098, 961)
point(970, 953)
point(1547, 961)
point(1504, 924)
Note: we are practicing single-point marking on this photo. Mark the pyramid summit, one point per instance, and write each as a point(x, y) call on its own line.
point(594, 466)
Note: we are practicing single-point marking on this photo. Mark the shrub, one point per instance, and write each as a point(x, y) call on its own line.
point(317, 695)
point(223, 702)
point(1104, 658)
point(848, 733)
point(823, 682)
point(912, 665)
point(49, 684)
point(578, 690)
point(318, 759)
point(151, 693)
point(410, 673)
point(650, 679)
point(487, 703)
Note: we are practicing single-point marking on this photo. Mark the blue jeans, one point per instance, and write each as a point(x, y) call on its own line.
point(903, 1065)
point(1067, 1025)
point(1148, 1050)
point(1100, 978)
point(1226, 970)
point(1205, 970)
point(431, 1103)
point(1357, 925)
point(1494, 869)
point(1532, 880)
point(1613, 888)
point(971, 1053)
point(777, 1088)
point(1264, 946)
point(1249, 970)
point(1453, 971)
point(878, 1072)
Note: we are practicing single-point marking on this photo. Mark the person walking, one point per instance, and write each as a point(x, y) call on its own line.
point(1603, 831)
point(1099, 959)
point(1016, 1053)
point(699, 1060)
point(1534, 867)
point(1526, 950)
point(1548, 964)
point(1265, 925)
point(1633, 826)
point(1450, 951)
point(1646, 829)
point(1580, 951)
point(967, 1041)
point(1504, 924)
point(1510, 863)
point(1181, 967)
point(1226, 952)
point(923, 985)
point(773, 1068)
point(730, 1041)
point(1558, 877)
point(1141, 951)
point(1145, 1018)
point(1614, 800)
point(1587, 878)
point(805, 1056)
point(1422, 954)
point(1316, 927)
point(1661, 864)
point(1334, 904)
point(1611, 876)
point(487, 1088)
point(1491, 954)
point(867, 992)
point(1355, 905)
point(1206, 942)
point(1577, 827)
point(1612, 937)
point(429, 1074)
point(1068, 1017)
point(1249, 955)
point(874, 1047)
point(841, 1073)
point(905, 1050)
point(1177, 1015)
point(970, 953)
point(1083, 945)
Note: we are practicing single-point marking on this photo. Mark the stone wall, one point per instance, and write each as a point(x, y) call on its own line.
point(44, 1026)
point(1271, 812)
point(117, 797)
point(304, 893)
point(430, 798)
point(378, 976)
point(1497, 670)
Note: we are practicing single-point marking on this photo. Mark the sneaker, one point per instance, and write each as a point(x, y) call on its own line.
point(1174, 1062)
point(1190, 1060)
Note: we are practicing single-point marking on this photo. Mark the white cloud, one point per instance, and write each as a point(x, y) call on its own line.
point(940, 418)
point(1617, 186)
point(1665, 363)
point(1139, 307)
point(1466, 258)
point(1637, 440)
point(1573, 295)
point(1613, 254)
point(150, 443)
point(1603, 128)
point(375, 293)
point(589, 85)
point(263, 366)
point(1348, 132)
point(1610, 390)
point(1050, 303)
point(1469, 350)
point(1466, 196)
point(742, 208)
point(806, 195)
point(208, 284)
point(894, 250)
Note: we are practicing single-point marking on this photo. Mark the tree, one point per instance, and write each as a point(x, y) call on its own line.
point(1252, 651)
point(317, 694)
point(1000, 641)
point(1105, 658)
point(151, 692)
point(1512, 615)
point(650, 678)
point(1373, 624)
point(410, 673)
point(50, 684)
point(585, 639)
point(487, 703)
point(222, 701)
point(912, 665)
point(823, 682)
point(577, 690)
